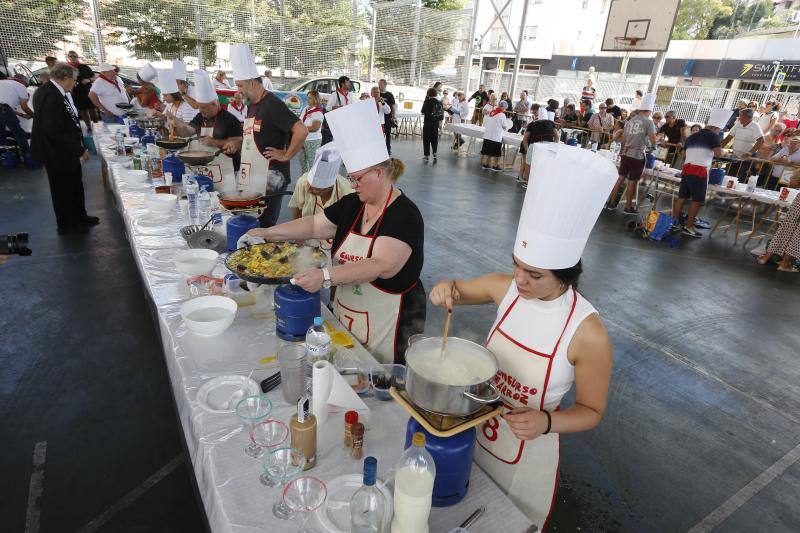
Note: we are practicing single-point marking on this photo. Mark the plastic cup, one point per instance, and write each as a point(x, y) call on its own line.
point(291, 358)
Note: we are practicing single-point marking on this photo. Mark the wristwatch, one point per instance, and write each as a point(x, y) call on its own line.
point(326, 279)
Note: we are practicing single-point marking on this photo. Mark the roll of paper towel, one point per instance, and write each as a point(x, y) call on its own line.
point(330, 391)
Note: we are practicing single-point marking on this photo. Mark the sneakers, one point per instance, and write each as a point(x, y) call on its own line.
point(496, 169)
point(630, 211)
point(485, 167)
point(675, 227)
point(524, 184)
point(691, 232)
point(702, 224)
point(611, 206)
point(425, 158)
point(434, 158)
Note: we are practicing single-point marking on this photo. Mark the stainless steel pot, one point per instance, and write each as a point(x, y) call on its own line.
point(442, 398)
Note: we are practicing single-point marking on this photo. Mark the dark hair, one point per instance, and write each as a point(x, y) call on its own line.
point(609, 101)
point(51, 59)
point(552, 104)
point(431, 93)
point(569, 276)
point(638, 92)
point(176, 96)
point(437, 84)
point(535, 107)
point(343, 79)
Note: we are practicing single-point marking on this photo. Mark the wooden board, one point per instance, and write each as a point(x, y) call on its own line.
point(453, 424)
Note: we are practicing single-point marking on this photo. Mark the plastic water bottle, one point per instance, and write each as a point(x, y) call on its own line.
point(191, 196)
point(119, 142)
point(318, 341)
point(203, 205)
point(216, 210)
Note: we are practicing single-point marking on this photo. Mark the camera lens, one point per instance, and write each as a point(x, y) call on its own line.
point(14, 244)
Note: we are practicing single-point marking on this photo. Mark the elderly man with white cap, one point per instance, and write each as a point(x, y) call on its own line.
point(322, 186)
point(272, 133)
point(699, 152)
point(107, 91)
point(378, 238)
point(546, 336)
point(639, 129)
point(215, 127)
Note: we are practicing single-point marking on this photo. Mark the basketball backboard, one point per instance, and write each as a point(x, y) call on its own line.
point(639, 25)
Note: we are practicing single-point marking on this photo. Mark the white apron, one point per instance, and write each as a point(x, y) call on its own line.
point(371, 314)
point(526, 469)
point(254, 166)
point(220, 169)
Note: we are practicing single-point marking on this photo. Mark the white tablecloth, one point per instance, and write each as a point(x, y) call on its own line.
point(473, 130)
point(233, 497)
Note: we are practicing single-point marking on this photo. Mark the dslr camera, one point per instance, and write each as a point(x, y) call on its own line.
point(14, 244)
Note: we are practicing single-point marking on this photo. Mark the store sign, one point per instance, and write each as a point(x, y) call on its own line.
point(762, 70)
point(664, 95)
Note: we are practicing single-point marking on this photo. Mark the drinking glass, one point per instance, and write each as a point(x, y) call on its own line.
point(269, 434)
point(252, 410)
point(278, 467)
point(291, 358)
point(304, 495)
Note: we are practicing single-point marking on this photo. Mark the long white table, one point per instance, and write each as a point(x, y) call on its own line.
point(227, 479)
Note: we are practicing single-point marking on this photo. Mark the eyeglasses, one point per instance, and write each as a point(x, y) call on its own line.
point(355, 180)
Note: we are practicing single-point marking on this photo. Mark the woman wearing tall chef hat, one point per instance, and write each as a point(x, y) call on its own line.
point(377, 237)
point(546, 336)
point(175, 105)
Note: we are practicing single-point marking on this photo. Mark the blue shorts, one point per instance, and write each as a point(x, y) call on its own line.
point(693, 187)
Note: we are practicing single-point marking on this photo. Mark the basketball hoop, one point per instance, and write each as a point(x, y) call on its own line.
point(630, 41)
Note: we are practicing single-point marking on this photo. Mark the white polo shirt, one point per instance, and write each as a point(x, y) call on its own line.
point(744, 137)
point(110, 94)
point(12, 93)
point(780, 170)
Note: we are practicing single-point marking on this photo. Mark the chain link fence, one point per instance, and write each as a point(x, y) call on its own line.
point(407, 44)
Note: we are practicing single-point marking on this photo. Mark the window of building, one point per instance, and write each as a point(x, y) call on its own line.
point(530, 33)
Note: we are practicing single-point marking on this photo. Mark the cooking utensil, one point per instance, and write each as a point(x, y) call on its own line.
point(174, 144)
point(186, 231)
point(198, 157)
point(427, 382)
point(446, 329)
point(208, 239)
point(125, 106)
point(234, 263)
point(473, 517)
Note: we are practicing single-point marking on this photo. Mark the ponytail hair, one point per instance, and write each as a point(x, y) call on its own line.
point(394, 168)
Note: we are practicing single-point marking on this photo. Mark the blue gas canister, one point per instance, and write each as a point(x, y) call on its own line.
point(175, 166)
point(238, 226)
point(650, 161)
point(295, 309)
point(205, 181)
point(453, 459)
point(715, 176)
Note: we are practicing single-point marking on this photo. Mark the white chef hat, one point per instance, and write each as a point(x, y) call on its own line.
point(105, 67)
point(356, 128)
point(542, 113)
point(648, 101)
point(166, 81)
point(147, 73)
point(243, 62)
point(203, 87)
point(179, 69)
point(719, 118)
point(326, 167)
point(565, 195)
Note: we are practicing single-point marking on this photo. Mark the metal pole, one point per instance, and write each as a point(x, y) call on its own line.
point(658, 66)
point(282, 51)
point(470, 45)
point(518, 58)
point(772, 81)
point(98, 36)
point(253, 20)
point(372, 43)
point(354, 51)
point(198, 28)
point(414, 43)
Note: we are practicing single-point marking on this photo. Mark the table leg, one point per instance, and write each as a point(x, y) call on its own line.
point(721, 217)
point(756, 227)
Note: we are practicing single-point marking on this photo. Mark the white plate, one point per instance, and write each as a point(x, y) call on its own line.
point(215, 392)
point(334, 515)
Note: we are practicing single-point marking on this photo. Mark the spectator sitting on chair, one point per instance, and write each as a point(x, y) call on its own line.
point(772, 141)
point(786, 242)
point(570, 117)
point(13, 94)
point(674, 131)
point(588, 111)
point(789, 154)
point(658, 120)
point(601, 124)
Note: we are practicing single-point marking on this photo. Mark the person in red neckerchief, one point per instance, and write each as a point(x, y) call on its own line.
point(341, 97)
point(107, 91)
point(311, 116)
point(80, 94)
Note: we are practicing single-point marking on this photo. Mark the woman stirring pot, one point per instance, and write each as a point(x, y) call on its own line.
point(377, 235)
point(546, 336)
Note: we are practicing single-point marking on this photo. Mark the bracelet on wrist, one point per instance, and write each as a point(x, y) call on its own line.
point(549, 422)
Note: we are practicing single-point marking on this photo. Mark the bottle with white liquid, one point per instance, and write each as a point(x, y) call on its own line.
point(413, 488)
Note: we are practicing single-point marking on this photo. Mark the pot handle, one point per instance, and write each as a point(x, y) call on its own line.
point(479, 399)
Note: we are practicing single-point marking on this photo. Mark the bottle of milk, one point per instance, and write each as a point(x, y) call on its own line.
point(413, 488)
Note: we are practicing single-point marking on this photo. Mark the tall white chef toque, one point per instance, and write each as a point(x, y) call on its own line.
point(719, 118)
point(166, 81)
point(147, 73)
point(648, 101)
point(356, 129)
point(567, 190)
point(326, 167)
point(243, 62)
point(203, 87)
point(179, 69)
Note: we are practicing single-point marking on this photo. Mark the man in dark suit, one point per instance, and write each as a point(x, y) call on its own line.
point(57, 141)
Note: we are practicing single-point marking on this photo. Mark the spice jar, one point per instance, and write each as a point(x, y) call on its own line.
point(357, 431)
point(350, 418)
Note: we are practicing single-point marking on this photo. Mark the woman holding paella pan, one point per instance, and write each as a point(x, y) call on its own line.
point(377, 234)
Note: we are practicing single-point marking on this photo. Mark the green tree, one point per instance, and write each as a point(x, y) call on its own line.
point(32, 28)
point(744, 15)
point(695, 18)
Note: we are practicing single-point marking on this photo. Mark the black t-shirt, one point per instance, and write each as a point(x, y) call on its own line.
point(225, 126)
point(673, 133)
point(272, 127)
point(541, 131)
point(615, 110)
point(572, 117)
point(389, 97)
point(401, 221)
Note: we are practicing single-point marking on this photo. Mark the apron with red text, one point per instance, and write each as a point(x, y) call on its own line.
point(371, 314)
point(254, 167)
point(526, 469)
